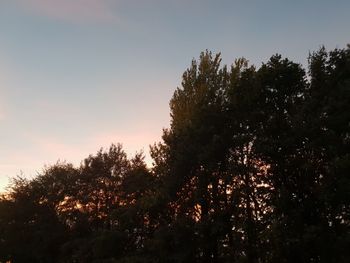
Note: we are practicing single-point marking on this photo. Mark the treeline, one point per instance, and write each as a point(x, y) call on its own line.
point(254, 168)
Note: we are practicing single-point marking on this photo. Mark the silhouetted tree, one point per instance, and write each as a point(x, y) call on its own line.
point(254, 168)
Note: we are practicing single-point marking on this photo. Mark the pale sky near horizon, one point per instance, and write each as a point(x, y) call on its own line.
point(77, 75)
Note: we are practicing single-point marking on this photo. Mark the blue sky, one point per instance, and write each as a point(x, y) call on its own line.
point(77, 75)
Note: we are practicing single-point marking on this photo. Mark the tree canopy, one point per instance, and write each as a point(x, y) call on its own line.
point(254, 168)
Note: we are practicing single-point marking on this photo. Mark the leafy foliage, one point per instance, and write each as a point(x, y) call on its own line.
point(254, 168)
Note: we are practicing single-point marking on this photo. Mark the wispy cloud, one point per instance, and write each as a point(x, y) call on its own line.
point(76, 11)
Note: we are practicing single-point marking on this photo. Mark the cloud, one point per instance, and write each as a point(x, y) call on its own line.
point(75, 11)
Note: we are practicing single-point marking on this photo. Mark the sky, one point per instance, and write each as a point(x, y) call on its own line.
point(78, 75)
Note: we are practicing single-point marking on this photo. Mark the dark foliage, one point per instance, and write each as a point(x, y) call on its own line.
point(254, 168)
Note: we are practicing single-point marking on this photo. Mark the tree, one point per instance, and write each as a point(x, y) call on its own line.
point(30, 228)
point(254, 168)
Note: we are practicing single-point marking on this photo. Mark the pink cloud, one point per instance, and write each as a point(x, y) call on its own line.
point(76, 11)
